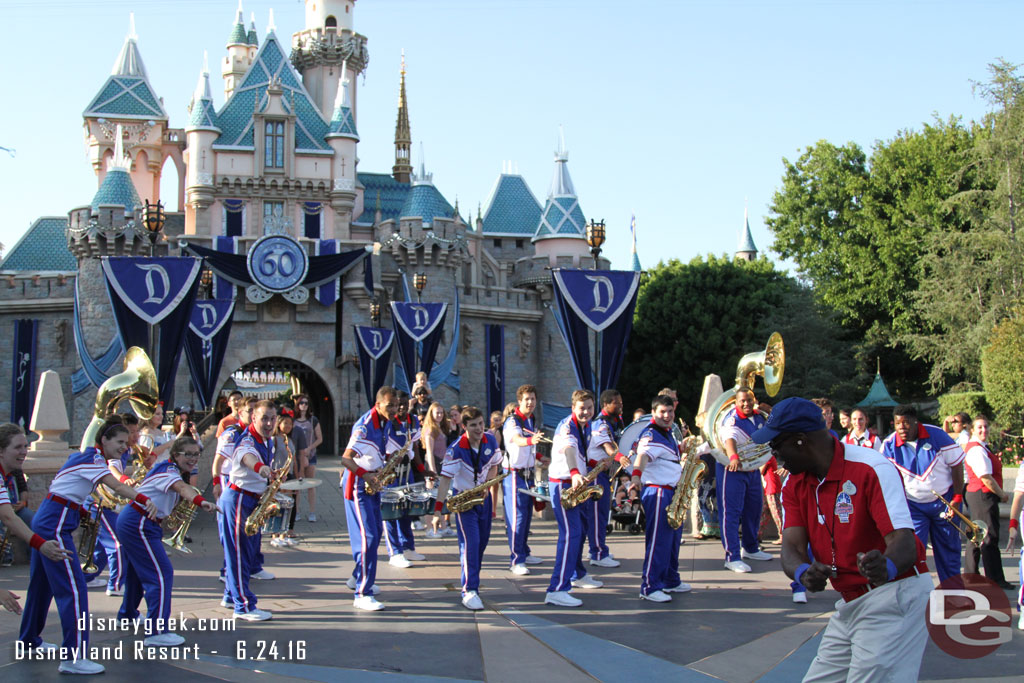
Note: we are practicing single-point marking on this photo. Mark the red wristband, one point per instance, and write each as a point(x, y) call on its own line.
point(574, 472)
point(438, 506)
point(257, 467)
point(1014, 524)
point(591, 463)
point(734, 458)
point(36, 541)
point(420, 467)
point(619, 457)
point(529, 441)
point(637, 473)
point(198, 500)
point(141, 499)
point(360, 472)
point(957, 500)
point(124, 478)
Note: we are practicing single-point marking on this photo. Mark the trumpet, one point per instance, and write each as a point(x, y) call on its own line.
point(978, 528)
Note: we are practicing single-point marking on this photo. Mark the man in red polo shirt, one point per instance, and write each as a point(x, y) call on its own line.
point(848, 503)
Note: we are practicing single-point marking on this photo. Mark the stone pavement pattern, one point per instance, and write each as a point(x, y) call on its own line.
point(732, 627)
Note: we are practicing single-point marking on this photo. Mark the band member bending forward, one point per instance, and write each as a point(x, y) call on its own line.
point(149, 571)
point(470, 461)
point(63, 580)
point(658, 468)
point(365, 454)
point(847, 501)
point(520, 443)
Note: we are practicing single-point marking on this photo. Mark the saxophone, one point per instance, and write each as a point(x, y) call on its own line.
point(693, 471)
point(571, 497)
point(387, 474)
point(470, 498)
point(87, 543)
point(178, 521)
point(268, 507)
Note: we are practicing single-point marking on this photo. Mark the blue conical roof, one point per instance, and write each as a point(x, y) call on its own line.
point(878, 396)
point(511, 209)
point(636, 263)
point(127, 94)
point(747, 240)
point(117, 189)
point(202, 114)
point(562, 216)
point(343, 124)
point(426, 202)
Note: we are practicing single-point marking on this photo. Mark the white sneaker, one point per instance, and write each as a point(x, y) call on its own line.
point(418, 526)
point(368, 603)
point(254, 615)
point(657, 596)
point(290, 541)
point(312, 516)
point(562, 599)
point(760, 555)
point(45, 646)
point(738, 566)
point(262, 574)
point(351, 583)
point(80, 666)
point(115, 592)
point(222, 579)
point(472, 601)
point(587, 582)
point(433, 534)
point(520, 569)
point(530, 559)
point(1020, 622)
point(605, 562)
point(448, 532)
point(413, 555)
point(95, 582)
point(399, 561)
point(278, 542)
point(681, 588)
point(800, 597)
point(164, 640)
point(229, 604)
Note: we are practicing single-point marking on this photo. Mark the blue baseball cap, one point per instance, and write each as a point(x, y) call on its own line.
point(790, 415)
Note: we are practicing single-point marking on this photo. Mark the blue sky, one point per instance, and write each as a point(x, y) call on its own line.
point(677, 111)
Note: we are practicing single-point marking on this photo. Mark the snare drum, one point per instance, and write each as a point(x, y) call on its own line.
point(420, 503)
point(393, 505)
point(279, 522)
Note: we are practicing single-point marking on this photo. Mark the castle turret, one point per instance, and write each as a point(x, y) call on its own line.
point(319, 50)
point(238, 59)
point(746, 249)
point(342, 138)
point(402, 170)
point(562, 227)
point(251, 38)
point(201, 132)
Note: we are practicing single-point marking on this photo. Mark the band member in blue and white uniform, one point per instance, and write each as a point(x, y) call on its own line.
point(148, 571)
point(56, 519)
point(740, 497)
point(398, 532)
point(221, 470)
point(605, 430)
point(658, 468)
point(251, 467)
point(469, 462)
point(929, 460)
point(108, 552)
point(568, 466)
point(364, 456)
point(520, 444)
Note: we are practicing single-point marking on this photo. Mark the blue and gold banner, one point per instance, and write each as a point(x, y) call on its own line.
point(374, 346)
point(417, 324)
point(494, 370)
point(23, 371)
point(206, 342)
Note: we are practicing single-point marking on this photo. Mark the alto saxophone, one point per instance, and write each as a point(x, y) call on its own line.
point(388, 473)
point(178, 521)
point(87, 543)
point(470, 498)
point(573, 496)
point(268, 507)
point(693, 471)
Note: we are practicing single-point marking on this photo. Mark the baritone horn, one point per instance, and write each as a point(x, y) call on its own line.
point(136, 384)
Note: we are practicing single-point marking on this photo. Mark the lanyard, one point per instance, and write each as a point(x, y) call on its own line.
point(821, 517)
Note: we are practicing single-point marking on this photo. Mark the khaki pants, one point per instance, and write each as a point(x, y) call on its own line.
point(880, 636)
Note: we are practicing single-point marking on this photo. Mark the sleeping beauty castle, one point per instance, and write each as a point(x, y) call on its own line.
point(292, 244)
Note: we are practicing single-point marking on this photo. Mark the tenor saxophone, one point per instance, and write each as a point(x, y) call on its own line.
point(268, 507)
point(573, 496)
point(87, 543)
point(470, 498)
point(693, 471)
point(388, 473)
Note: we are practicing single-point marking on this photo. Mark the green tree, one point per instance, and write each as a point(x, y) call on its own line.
point(1001, 363)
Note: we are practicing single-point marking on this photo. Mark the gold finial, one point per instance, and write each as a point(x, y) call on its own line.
point(403, 62)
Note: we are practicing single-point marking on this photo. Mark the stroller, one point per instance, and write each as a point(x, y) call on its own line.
point(629, 515)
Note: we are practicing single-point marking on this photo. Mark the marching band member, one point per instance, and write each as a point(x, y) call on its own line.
point(221, 471)
point(365, 454)
point(984, 493)
point(929, 460)
point(604, 436)
point(398, 534)
point(58, 516)
point(658, 468)
point(847, 503)
point(518, 432)
point(250, 470)
point(108, 547)
point(568, 462)
point(859, 434)
point(148, 571)
point(739, 493)
point(469, 462)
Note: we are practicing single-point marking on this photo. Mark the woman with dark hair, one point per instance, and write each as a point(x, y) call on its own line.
point(307, 423)
point(148, 570)
point(286, 438)
point(58, 516)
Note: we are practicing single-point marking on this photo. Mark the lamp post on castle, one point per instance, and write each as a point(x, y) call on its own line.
point(419, 281)
point(595, 238)
point(206, 282)
point(153, 218)
point(375, 314)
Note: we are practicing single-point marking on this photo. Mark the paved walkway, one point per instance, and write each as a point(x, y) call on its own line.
point(732, 627)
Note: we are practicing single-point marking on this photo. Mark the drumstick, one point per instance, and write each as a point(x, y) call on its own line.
point(539, 436)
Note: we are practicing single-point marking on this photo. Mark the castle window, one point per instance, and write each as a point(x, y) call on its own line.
point(311, 219)
point(273, 144)
point(331, 22)
point(234, 223)
point(519, 244)
point(274, 219)
point(497, 244)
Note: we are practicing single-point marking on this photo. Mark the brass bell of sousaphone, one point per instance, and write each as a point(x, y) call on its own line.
point(769, 364)
point(135, 384)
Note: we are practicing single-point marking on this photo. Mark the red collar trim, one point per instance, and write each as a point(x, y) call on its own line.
point(376, 417)
point(464, 440)
point(577, 422)
point(922, 433)
point(838, 459)
point(522, 417)
point(254, 434)
point(740, 414)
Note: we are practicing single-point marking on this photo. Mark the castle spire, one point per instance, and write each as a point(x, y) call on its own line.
point(402, 170)
point(238, 35)
point(746, 249)
point(342, 122)
point(129, 61)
